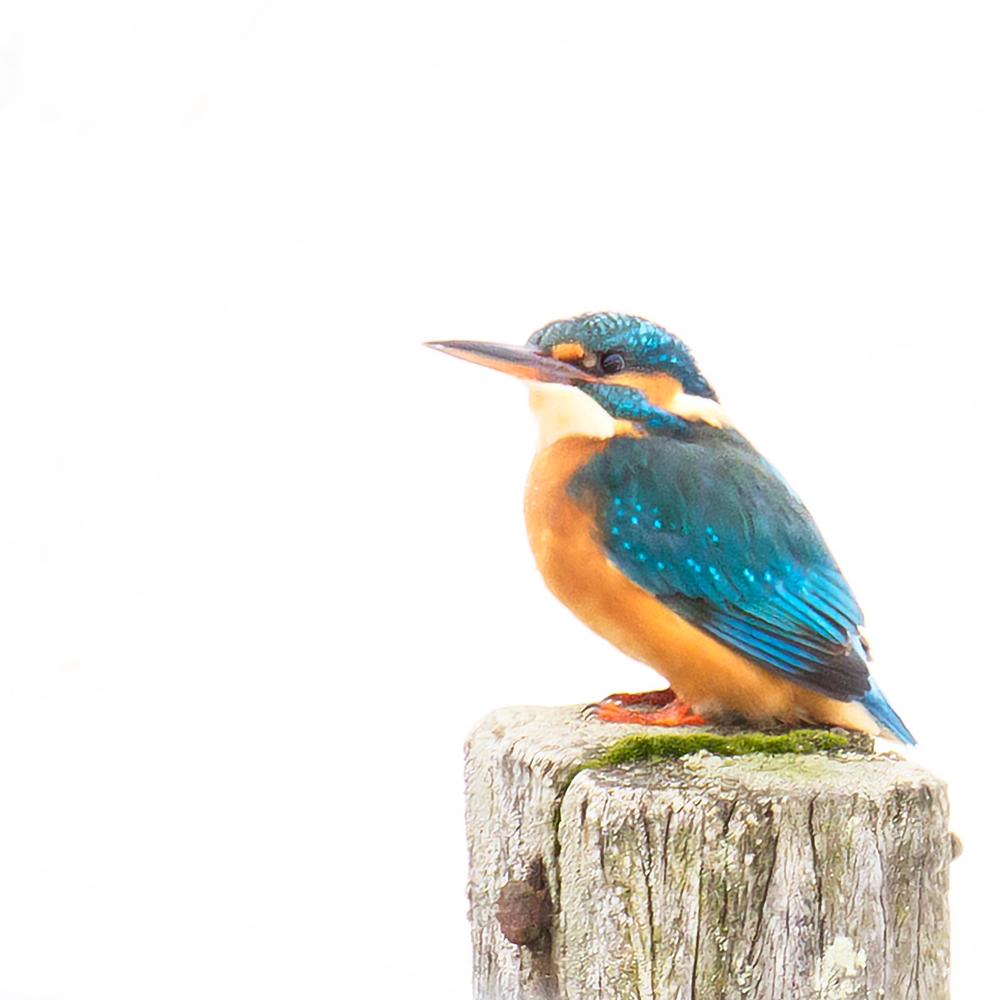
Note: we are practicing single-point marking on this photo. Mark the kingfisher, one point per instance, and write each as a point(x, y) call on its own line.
point(661, 527)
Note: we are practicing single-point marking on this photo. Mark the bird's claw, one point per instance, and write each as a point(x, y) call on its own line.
point(647, 708)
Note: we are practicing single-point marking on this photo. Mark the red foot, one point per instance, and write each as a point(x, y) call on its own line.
point(648, 708)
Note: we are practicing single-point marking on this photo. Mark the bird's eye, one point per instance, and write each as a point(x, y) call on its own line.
point(612, 363)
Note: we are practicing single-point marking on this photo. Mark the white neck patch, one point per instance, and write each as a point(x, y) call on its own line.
point(563, 411)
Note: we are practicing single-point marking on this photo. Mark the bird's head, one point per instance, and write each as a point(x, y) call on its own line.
point(638, 373)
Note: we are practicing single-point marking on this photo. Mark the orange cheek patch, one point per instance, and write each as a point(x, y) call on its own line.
point(568, 352)
point(660, 390)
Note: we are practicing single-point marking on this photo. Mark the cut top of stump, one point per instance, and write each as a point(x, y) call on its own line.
point(702, 862)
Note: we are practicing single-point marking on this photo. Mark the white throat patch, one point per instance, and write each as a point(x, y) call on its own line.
point(562, 411)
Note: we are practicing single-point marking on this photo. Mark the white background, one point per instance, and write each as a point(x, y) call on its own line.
point(262, 557)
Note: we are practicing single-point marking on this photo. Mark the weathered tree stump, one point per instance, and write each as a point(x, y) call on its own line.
point(755, 877)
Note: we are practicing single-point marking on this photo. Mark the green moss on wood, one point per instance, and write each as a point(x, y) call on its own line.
point(664, 746)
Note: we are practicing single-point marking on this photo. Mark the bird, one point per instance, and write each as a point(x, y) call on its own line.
point(662, 528)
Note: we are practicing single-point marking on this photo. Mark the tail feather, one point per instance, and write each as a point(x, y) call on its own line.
point(885, 715)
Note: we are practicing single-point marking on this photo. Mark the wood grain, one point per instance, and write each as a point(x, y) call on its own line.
point(755, 877)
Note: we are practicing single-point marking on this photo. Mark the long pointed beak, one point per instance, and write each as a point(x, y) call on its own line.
point(521, 362)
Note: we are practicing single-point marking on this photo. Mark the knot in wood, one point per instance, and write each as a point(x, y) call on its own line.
point(957, 847)
point(524, 911)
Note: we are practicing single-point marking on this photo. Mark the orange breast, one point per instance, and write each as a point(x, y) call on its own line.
point(716, 680)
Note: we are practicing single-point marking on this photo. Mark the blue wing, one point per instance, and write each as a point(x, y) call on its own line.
point(710, 528)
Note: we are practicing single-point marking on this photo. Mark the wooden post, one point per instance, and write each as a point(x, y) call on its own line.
point(818, 876)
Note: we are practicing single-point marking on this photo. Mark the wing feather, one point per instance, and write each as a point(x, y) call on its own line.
point(710, 528)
